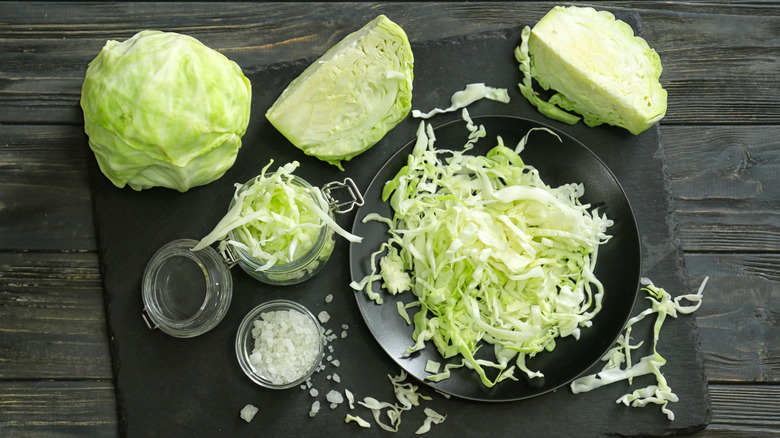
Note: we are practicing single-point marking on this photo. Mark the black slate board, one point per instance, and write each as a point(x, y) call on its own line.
point(194, 387)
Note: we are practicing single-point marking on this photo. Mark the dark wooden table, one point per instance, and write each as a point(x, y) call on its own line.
point(721, 138)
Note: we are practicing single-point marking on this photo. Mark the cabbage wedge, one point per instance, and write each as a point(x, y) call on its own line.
point(597, 68)
point(349, 98)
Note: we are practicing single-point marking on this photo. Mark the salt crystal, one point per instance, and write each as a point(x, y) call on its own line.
point(248, 412)
point(323, 317)
point(334, 397)
point(315, 407)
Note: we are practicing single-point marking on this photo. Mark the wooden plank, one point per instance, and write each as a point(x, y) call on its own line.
point(723, 179)
point(738, 321)
point(45, 201)
point(58, 409)
point(743, 411)
point(717, 71)
point(53, 319)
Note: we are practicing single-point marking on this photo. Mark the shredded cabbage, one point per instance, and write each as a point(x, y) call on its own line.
point(431, 417)
point(661, 393)
point(273, 219)
point(407, 396)
point(464, 98)
point(492, 254)
point(360, 422)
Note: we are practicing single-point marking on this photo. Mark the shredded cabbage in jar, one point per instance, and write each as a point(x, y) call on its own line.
point(274, 220)
point(492, 254)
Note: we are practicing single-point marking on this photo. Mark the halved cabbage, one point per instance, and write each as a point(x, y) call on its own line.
point(596, 65)
point(350, 97)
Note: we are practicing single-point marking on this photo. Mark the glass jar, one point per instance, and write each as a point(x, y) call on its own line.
point(295, 271)
point(186, 293)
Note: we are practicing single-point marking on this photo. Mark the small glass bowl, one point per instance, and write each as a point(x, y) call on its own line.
point(186, 293)
point(297, 271)
point(245, 343)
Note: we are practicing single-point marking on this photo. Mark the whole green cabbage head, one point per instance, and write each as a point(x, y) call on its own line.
point(597, 67)
point(161, 109)
point(348, 99)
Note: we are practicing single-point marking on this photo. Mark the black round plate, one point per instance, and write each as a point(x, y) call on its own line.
point(618, 266)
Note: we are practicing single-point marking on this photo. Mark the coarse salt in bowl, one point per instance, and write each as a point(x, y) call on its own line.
point(279, 344)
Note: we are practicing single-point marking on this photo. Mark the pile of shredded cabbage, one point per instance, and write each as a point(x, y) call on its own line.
point(492, 253)
point(273, 219)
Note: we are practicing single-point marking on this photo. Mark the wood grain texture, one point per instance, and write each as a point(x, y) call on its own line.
point(702, 88)
point(724, 180)
point(744, 410)
point(720, 136)
point(739, 319)
point(57, 409)
point(45, 202)
point(53, 318)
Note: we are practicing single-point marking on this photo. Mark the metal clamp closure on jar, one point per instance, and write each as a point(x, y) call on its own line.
point(187, 293)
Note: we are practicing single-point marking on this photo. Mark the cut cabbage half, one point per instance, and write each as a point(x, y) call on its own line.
point(597, 67)
point(349, 98)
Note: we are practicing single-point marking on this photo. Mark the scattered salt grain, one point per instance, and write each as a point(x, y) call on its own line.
point(328, 298)
point(334, 397)
point(343, 334)
point(313, 392)
point(335, 362)
point(323, 317)
point(248, 412)
point(315, 407)
point(336, 378)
